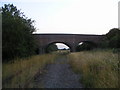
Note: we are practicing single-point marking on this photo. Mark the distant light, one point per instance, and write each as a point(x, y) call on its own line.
point(80, 43)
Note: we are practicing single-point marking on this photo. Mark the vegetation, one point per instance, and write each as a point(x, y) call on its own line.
point(63, 52)
point(112, 39)
point(99, 68)
point(52, 47)
point(20, 73)
point(17, 29)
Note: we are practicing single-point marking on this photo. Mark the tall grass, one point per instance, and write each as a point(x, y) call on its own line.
point(22, 71)
point(99, 68)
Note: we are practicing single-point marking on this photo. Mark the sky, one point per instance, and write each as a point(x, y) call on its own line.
point(70, 16)
point(62, 46)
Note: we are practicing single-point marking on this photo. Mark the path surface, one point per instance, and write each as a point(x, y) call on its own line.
point(58, 75)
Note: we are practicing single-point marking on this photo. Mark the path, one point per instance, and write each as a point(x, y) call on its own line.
point(59, 75)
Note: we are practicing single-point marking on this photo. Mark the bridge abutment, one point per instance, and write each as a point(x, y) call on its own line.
point(42, 50)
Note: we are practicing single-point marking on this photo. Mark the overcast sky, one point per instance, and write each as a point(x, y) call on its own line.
point(70, 16)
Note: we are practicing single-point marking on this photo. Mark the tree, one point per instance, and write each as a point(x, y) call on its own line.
point(113, 32)
point(51, 48)
point(17, 32)
point(113, 37)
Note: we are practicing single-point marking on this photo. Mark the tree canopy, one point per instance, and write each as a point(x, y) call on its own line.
point(17, 29)
point(113, 37)
point(51, 48)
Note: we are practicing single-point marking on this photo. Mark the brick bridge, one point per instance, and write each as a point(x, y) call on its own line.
point(71, 40)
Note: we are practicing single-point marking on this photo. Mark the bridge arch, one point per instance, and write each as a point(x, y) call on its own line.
point(86, 45)
point(65, 43)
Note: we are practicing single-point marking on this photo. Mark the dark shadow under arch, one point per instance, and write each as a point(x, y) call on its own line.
point(87, 45)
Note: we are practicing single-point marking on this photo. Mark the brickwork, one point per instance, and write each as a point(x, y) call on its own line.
point(72, 40)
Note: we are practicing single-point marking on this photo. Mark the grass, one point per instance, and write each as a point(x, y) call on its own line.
point(22, 71)
point(99, 68)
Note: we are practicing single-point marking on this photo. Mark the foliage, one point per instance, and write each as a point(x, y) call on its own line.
point(51, 48)
point(112, 39)
point(17, 33)
point(113, 32)
point(99, 68)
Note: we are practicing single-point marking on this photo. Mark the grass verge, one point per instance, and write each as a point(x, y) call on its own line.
point(99, 68)
point(19, 73)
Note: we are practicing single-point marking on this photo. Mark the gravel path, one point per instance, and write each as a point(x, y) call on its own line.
point(58, 75)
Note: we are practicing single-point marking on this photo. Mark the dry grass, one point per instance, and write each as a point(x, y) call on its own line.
point(19, 73)
point(99, 68)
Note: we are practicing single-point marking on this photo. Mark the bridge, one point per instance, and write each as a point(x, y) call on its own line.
point(71, 40)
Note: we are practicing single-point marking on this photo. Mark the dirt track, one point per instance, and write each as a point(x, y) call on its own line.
point(58, 75)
